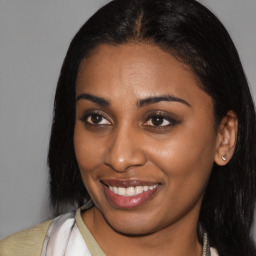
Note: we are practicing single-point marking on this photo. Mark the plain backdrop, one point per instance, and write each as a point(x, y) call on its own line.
point(34, 37)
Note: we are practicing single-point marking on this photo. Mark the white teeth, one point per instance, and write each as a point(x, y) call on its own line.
point(145, 188)
point(152, 187)
point(139, 190)
point(131, 191)
point(115, 190)
point(121, 191)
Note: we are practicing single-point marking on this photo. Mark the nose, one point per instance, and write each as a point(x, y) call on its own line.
point(125, 151)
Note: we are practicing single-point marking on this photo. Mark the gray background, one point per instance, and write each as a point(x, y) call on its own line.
point(34, 36)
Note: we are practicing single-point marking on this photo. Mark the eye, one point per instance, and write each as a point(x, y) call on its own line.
point(95, 119)
point(160, 120)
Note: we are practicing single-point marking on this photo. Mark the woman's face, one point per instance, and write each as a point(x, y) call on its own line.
point(144, 137)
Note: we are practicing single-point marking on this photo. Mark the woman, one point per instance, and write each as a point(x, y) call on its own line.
point(153, 137)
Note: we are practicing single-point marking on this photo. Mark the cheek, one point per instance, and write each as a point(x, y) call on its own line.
point(88, 155)
point(187, 166)
point(186, 158)
point(87, 150)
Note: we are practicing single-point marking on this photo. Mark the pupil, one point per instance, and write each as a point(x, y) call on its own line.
point(96, 118)
point(157, 120)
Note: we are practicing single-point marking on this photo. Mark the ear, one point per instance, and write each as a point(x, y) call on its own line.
point(226, 139)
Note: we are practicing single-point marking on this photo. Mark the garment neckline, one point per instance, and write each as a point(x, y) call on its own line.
point(91, 242)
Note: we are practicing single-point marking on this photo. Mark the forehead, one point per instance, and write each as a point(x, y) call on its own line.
point(136, 70)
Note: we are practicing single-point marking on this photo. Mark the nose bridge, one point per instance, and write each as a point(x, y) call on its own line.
point(125, 149)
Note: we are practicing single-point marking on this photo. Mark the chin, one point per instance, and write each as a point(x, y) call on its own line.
point(132, 224)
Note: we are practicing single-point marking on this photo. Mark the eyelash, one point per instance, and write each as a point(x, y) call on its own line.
point(149, 123)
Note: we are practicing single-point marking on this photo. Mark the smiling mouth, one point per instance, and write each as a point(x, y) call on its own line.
point(129, 193)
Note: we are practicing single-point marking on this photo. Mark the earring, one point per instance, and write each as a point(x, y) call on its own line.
point(224, 157)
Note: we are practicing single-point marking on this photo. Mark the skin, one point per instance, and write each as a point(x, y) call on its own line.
point(126, 144)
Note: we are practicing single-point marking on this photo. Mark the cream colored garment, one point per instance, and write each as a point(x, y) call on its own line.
point(25, 243)
point(32, 242)
point(64, 238)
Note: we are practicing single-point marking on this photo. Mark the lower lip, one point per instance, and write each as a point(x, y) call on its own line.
point(128, 202)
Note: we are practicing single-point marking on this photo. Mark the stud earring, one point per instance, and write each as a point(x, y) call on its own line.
point(224, 157)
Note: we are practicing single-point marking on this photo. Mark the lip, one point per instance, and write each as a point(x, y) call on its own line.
point(128, 202)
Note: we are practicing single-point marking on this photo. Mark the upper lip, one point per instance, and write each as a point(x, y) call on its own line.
point(127, 183)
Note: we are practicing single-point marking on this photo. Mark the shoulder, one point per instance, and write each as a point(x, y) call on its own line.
point(28, 242)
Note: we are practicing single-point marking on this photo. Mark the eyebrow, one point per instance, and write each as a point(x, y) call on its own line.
point(143, 102)
point(98, 100)
point(156, 99)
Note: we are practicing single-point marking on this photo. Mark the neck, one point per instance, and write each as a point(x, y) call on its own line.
point(178, 239)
